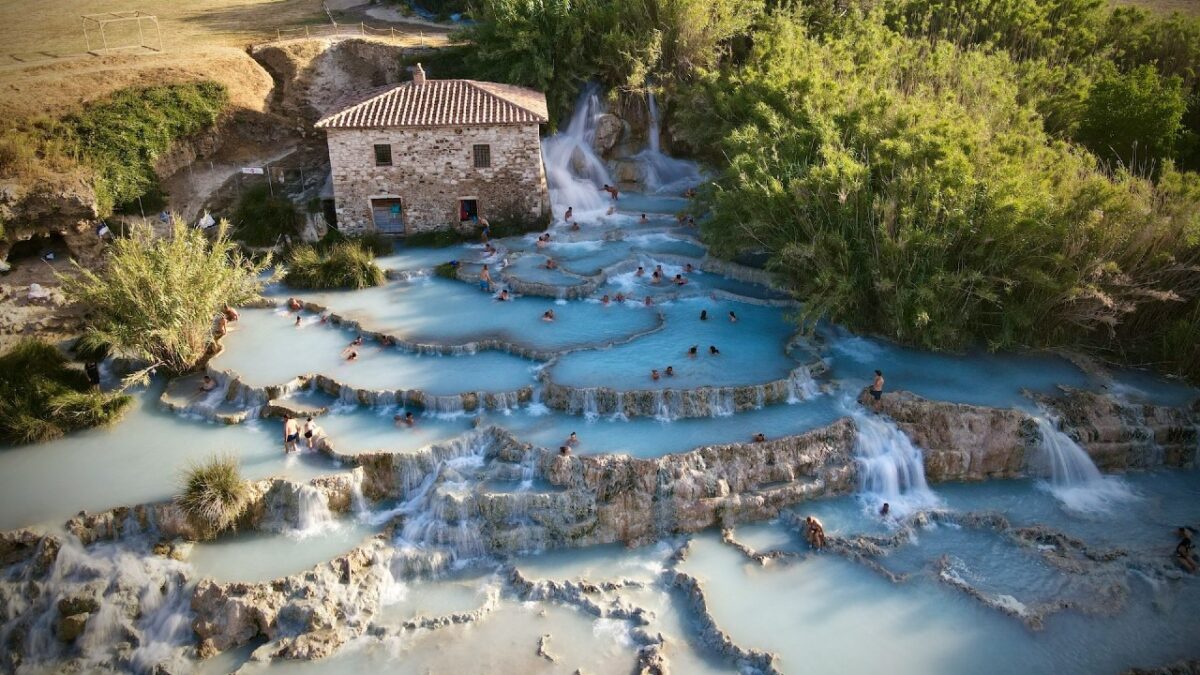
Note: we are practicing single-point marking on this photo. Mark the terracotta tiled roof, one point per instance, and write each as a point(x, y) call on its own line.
point(439, 103)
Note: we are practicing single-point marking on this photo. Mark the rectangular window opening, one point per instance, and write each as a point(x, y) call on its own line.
point(483, 156)
point(468, 209)
point(383, 155)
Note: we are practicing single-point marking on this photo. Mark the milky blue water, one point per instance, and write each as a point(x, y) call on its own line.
point(751, 350)
point(266, 347)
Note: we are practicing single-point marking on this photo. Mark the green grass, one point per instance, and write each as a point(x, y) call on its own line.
point(213, 494)
point(344, 265)
point(122, 137)
point(42, 397)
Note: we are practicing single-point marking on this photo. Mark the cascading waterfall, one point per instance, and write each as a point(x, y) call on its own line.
point(312, 512)
point(573, 171)
point(1074, 478)
point(661, 173)
point(891, 468)
point(801, 386)
point(144, 600)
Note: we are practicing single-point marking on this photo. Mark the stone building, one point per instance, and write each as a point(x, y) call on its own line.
point(430, 154)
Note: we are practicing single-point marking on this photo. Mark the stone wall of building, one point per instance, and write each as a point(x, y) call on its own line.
point(432, 168)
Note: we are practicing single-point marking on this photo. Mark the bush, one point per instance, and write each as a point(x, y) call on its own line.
point(213, 494)
point(446, 271)
point(157, 297)
point(262, 219)
point(378, 244)
point(42, 397)
point(909, 188)
point(345, 265)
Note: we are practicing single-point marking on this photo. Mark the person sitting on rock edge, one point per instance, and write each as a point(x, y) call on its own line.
point(1183, 550)
point(814, 533)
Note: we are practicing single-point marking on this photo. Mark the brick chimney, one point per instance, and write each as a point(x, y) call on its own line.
point(418, 74)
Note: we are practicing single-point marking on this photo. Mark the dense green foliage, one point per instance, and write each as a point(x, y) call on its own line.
point(263, 219)
point(347, 264)
point(1012, 173)
point(42, 397)
point(213, 494)
point(117, 140)
point(556, 45)
point(122, 136)
point(157, 297)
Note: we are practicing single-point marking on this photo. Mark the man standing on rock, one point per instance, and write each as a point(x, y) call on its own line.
point(877, 388)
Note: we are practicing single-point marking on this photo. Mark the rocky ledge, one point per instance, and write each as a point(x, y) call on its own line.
point(968, 442)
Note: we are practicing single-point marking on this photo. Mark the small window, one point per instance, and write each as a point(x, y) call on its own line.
point(483, 156)
point(383, 155)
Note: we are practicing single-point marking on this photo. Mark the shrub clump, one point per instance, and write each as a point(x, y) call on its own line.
point(214, 495)
point(262, 219)
point(157, 297)
point(446, 270)
point(42, 397)
point(345, 265)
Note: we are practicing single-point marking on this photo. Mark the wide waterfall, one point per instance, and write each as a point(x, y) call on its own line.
point(573, 170)
point(891, 468)
point(1074, 478)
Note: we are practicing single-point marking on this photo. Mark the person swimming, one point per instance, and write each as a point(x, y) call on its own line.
point(352, 356)
point(704, 315)
point(885, 509)
point(550, 264)
point(294, 304)
point(679, 280)
point(620, 297)
point(570, 212)
point(648, 301)
point(760, 437)
point(713, 351)
point(643, 220)
point(687, 269)
point(548, 315)
point(732, 317)
point(604, 301)
point(692, 351)
point(573, 439)
point(654, 374)
point(503, 297)
point(297, 324)
point(357, 341)
point(670, 371)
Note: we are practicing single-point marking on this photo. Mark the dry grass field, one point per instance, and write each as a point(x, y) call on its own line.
point(45, 65)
